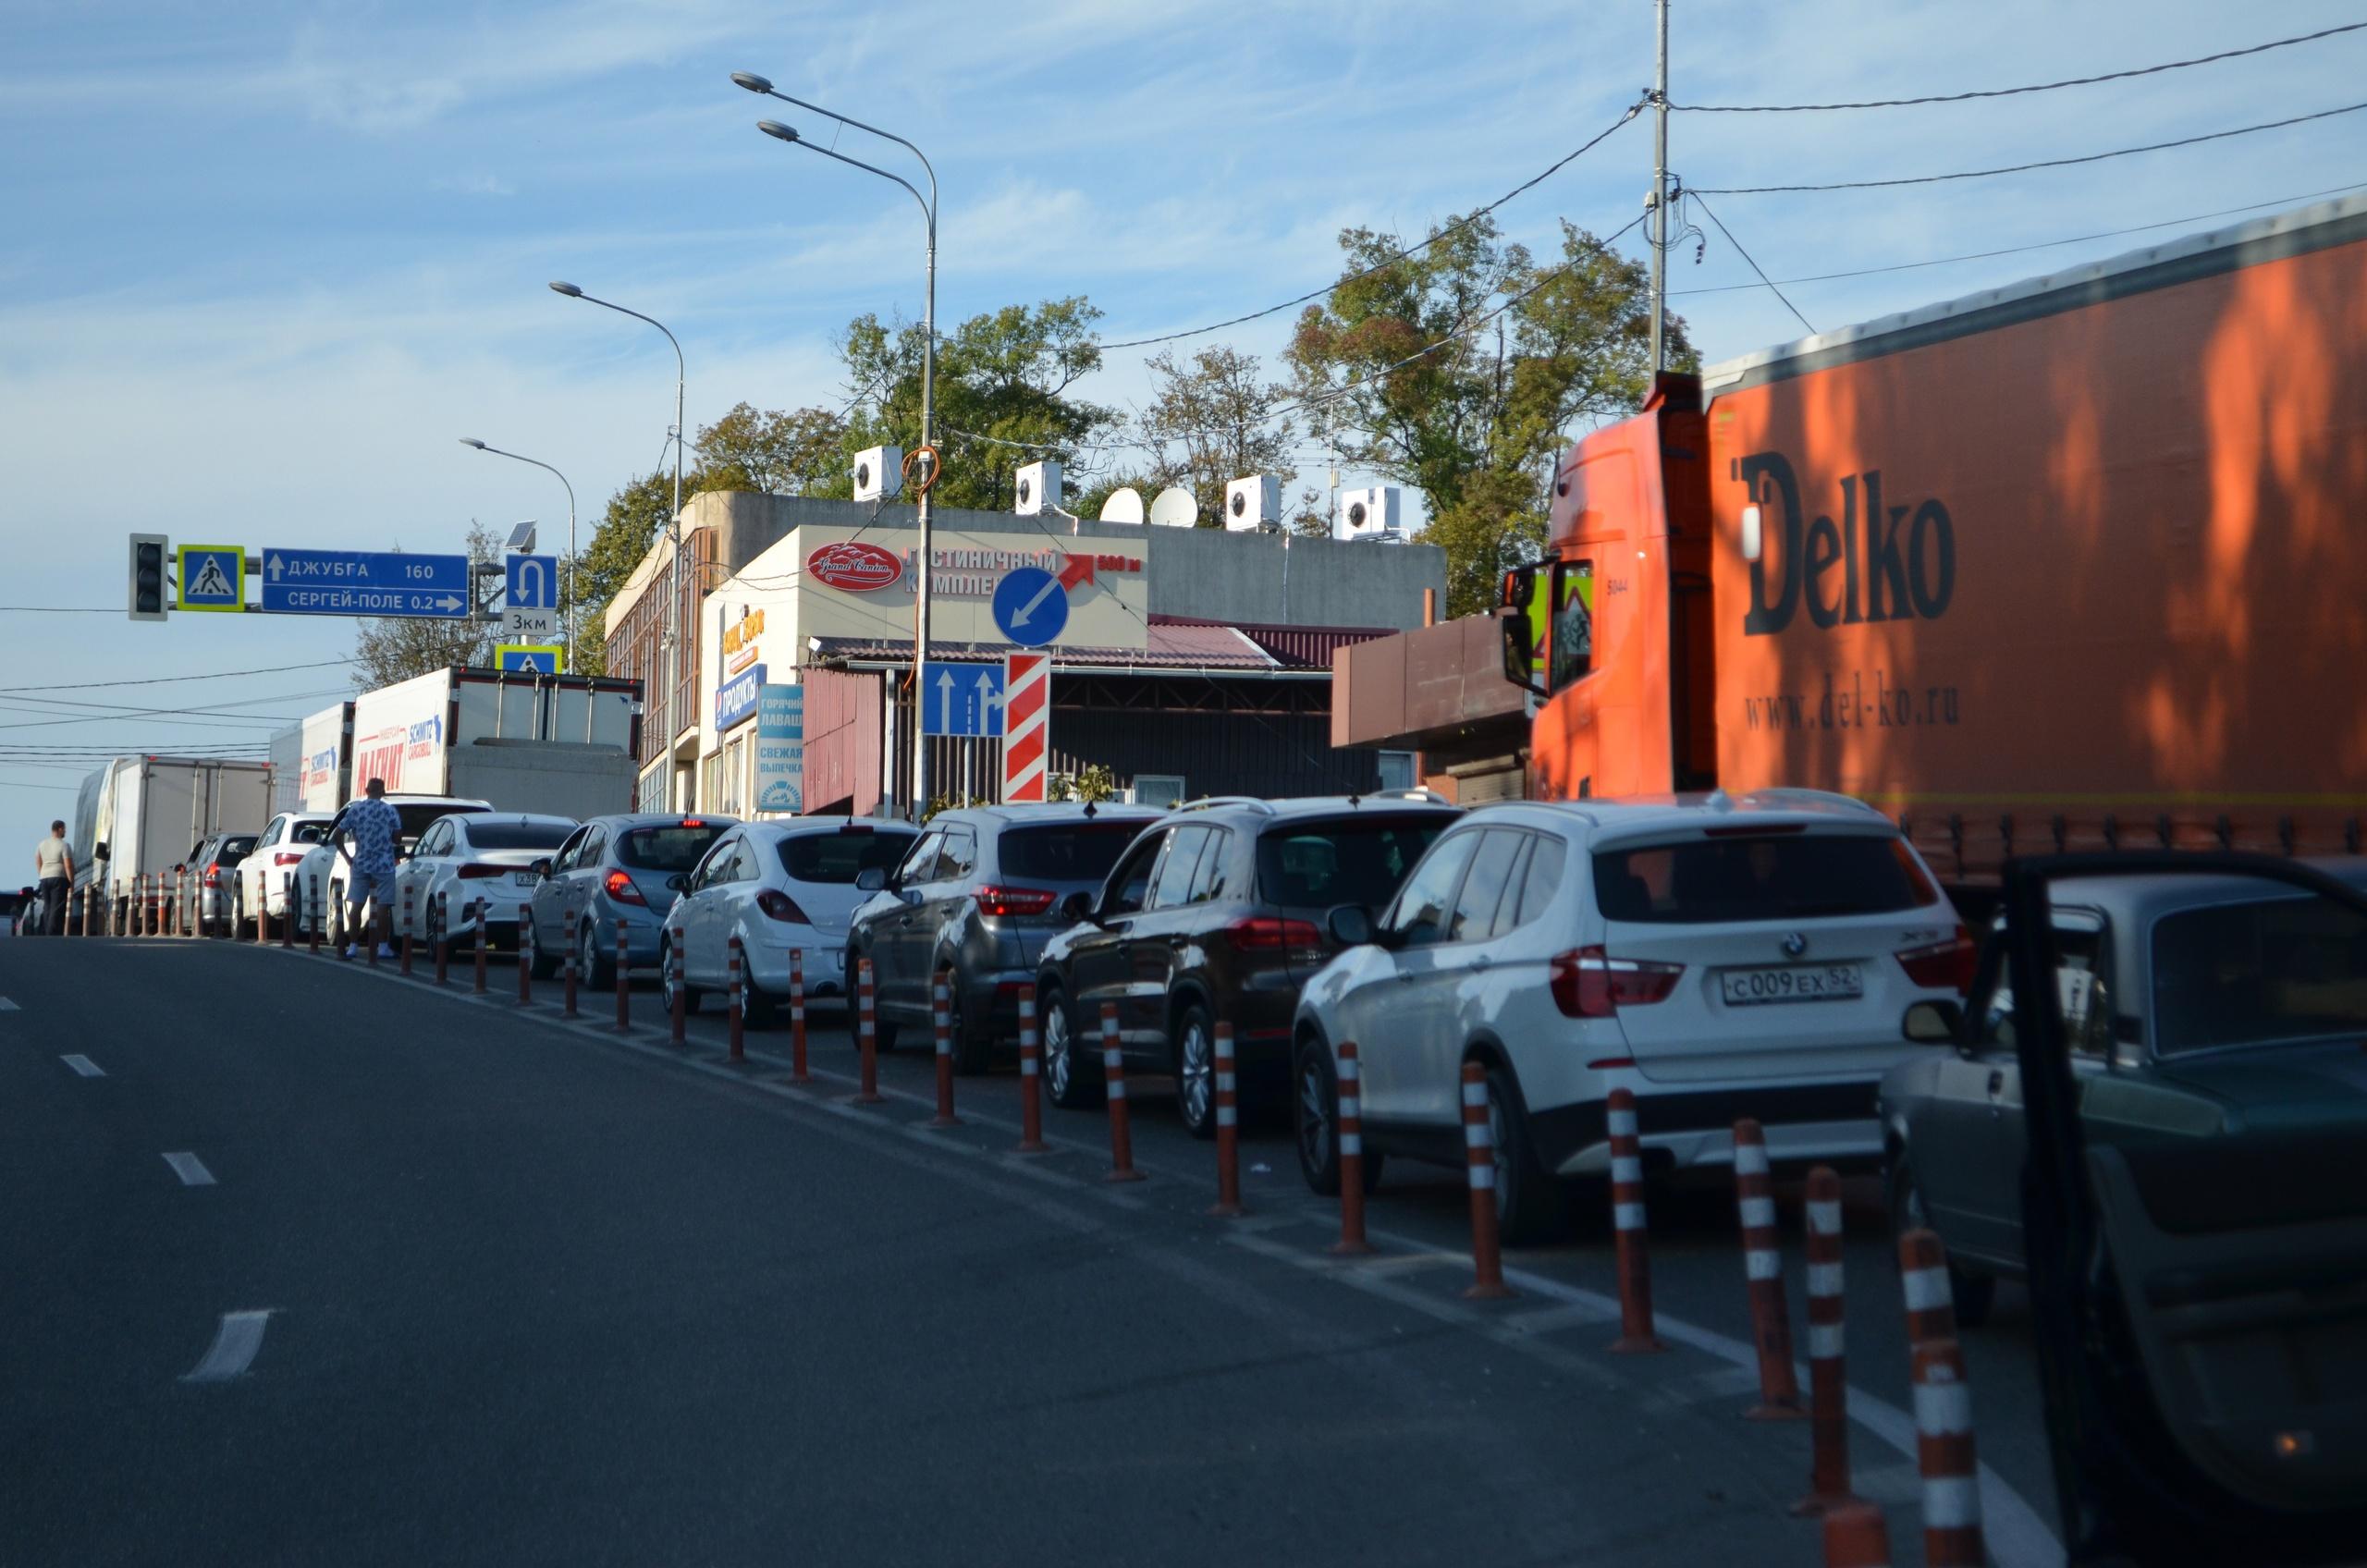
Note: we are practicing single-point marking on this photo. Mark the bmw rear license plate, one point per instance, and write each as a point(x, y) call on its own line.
point(523, 878)
point(1792, 983)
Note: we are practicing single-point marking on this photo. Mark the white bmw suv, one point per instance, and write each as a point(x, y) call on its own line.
point(1718, 957)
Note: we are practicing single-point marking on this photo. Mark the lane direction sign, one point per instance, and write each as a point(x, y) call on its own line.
point(1031, 607)
point(381, 582)
point(964, 700)
point(213, 576)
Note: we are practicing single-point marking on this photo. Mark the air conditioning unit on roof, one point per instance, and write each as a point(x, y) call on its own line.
point(878, 473)
point(1367, 514)
point(1253, 503)
point(1038, 488)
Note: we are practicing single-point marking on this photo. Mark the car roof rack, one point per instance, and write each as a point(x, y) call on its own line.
point(1204, 801)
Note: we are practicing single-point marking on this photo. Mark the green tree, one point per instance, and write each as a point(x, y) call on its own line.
point(1520, 356)
point(1002, 396)
point(399, 648)
point(1213, 421)
point(775, 453)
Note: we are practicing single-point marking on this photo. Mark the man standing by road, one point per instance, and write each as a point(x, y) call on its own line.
point(373, 826)
point(54, 865)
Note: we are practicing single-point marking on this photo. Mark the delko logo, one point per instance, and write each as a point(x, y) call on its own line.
point(854, 566)
point(1896, 563)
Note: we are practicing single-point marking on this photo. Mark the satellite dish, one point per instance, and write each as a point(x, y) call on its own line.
point(1124, 505)
point(1174, 508)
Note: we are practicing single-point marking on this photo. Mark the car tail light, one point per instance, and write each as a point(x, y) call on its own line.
point(620, 887)
point(778, 905)
point(287, 857)
point(1589, 983)
point(477, 873)
point(694, 821)
point(1948, 964)
point(214, 875)
point(1267, 933)
point(1013, 901)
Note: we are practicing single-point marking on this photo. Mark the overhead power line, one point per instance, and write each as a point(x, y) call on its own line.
point(2013, 92)
point(2024, 168)
point(161, 679)
point(1456, 227)
point(1754, 265)
point(59, 609)
point(2018, 249)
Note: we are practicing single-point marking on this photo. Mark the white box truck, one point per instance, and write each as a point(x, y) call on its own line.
point(567, 745)
point(142, 815)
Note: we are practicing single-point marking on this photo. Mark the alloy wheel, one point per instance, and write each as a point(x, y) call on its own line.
point(1314, 1115)
point(1195, 1071)
point(1056, 1065)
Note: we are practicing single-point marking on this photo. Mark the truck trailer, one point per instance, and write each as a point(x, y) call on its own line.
point(2071, 564)
point(144, 815)
point(563, 744)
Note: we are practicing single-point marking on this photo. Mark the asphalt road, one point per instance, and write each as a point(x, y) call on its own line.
point(538, 1292)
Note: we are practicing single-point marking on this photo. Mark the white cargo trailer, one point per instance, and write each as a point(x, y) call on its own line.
point(144, 815)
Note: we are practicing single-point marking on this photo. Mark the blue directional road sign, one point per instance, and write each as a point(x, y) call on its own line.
point(534, 582)
point(1031, 608)
point(964, 699)
point(366, 583)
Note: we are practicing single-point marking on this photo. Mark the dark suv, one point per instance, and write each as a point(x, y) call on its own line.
point(980, 894)
point(1217, 910)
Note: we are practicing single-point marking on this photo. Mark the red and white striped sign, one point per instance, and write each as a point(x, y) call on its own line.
point(1026, 725)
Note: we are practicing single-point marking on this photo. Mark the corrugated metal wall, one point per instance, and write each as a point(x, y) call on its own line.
point(842, 717)
point(1215, 754)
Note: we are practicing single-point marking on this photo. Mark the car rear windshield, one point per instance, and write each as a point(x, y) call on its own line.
point(1357, 859)
point(416, 818)
point(2249, 973)
point(1745, 876)
point(667, 849)
point(233, 850)
point(1072, 851)
point(518, 835)
point(312, 832)
point(842, 857)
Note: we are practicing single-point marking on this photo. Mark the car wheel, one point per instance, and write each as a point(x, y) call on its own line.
point(667, 984)
point(1315, 1120)
point(1529, 1200)
point(972, 1048)
point(540, 965)
point(1065, 1078)
point(1195, 1071)
point(338, 933)
point(1974, 1293)
point(598, 971)
point(239, 912)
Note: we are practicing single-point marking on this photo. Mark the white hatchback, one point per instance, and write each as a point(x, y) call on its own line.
point(260, 881)
point(1719, 958)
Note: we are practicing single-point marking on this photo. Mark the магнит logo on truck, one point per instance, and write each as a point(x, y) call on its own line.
point(1897, 562)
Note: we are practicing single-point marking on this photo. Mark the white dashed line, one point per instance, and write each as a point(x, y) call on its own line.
point(234, 1347)
point(192, 1172)
point(84, 1066)
point(7, 1006)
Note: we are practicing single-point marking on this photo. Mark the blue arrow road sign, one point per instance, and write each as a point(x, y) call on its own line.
point(534, 582)
point(964, 700)
point(364, 583)
point(1031, 608)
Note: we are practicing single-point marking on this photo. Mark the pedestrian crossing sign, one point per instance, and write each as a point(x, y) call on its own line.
point(213, 576)
point(531, 659)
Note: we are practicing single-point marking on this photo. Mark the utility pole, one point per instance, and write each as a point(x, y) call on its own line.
point(1658, 224)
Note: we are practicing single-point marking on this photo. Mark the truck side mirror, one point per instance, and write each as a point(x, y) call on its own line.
point(99, 849)
point(1518, 627)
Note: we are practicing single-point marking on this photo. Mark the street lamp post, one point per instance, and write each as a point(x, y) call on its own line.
point(473, 441)
point(673, 532)
point(757, 84)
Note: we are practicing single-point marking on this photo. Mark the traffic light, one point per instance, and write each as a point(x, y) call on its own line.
point(148, 576)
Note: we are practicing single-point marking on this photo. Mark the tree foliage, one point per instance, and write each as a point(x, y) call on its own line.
point(1212, 421)
point(797, 453)
point(1001, 396)
point(1522, 356)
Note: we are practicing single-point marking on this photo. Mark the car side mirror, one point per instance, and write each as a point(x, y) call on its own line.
point(541, 867)
point(1350, 925)
point(1932, 1023)
point(870, 880)
point(1079, 907)
point(676, 882)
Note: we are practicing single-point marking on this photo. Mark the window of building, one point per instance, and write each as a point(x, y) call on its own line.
point(1164, 790)
point(1397, 770)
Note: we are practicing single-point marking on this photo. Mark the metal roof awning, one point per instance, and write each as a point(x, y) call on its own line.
point(1171, 650)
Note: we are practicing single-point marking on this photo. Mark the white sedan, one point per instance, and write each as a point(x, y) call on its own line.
point(474, 869)
point(778, 886)
point(260, 881)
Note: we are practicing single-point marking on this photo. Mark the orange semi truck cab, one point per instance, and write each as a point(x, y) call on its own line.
point(2078, 562)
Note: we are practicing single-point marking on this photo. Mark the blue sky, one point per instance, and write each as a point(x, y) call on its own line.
point(264, 264)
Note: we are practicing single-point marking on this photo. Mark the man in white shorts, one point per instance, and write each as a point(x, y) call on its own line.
point(373, 829)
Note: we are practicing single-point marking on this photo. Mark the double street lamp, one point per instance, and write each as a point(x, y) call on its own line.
point(757, 84)
point(473, 441)
point(672, 673)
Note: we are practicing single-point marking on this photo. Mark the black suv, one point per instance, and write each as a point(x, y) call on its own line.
point(1217, 911)
point(979, 894)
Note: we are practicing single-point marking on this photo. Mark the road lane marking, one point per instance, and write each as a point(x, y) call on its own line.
point(189, 1169)
point(234, 1347)
point(7, 1006)
point(84, 1066)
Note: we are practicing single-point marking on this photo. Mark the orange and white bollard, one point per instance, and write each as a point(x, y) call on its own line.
point(1856, 1537)
point(1762, 1257)
point(1827, 1384)
point(484, 940)
point(1227, 1115)
point(866, 1035)
point(1923, 1278)
point(287, 910)
point(1113, 1078)
point(678, 1021)
point(942, 1018)
point(1480, 1171)
point(1031, 1074)
point(735, 977)
point(525, 969)
point(797, 1074)
point(1350, 1136)
point(570, 966)
point(624, 982)
point(1635, 1335)
point(320, 916)
point(443, 936)
point(1951, 1533)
